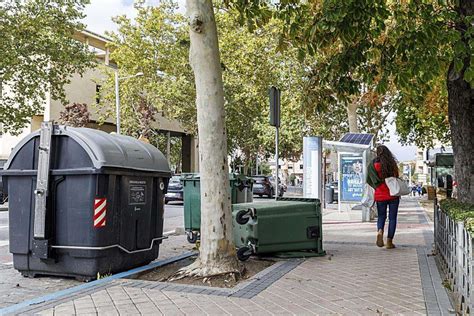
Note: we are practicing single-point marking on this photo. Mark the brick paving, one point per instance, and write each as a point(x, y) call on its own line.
point(355, 278)
point(14, 288)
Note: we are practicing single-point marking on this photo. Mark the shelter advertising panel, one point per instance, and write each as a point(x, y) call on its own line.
point(352, 177)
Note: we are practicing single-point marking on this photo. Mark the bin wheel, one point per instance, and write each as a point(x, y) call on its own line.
point(27, 274)
point(192, 237)
point(244, 253)
point(84, 279)
point(242, 217)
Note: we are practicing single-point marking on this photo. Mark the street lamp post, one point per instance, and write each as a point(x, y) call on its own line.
point(117, 102)
point(117, 96)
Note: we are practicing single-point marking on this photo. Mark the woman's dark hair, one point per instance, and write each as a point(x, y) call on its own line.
point(388, 162)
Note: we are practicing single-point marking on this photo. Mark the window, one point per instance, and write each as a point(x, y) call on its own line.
point(97, 93)
point(290, 167)
point(301, 167)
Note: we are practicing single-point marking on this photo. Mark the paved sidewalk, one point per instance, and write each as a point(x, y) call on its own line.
point(355, 278)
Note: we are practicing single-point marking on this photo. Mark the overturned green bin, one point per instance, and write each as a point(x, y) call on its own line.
point(240, 188)
point(289, 227)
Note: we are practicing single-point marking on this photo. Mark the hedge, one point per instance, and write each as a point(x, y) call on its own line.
point(459, 211)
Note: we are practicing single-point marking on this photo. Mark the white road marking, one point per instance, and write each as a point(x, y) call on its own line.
point(4, 243)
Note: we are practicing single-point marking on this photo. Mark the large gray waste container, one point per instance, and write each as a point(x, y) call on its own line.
point(84, 202)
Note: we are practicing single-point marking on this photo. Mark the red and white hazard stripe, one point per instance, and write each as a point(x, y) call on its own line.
point(100, 210)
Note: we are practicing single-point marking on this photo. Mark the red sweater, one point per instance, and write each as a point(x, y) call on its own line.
point(382, 193)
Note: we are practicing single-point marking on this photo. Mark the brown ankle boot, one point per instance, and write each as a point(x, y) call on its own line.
point(380, 238)
point(390, 244)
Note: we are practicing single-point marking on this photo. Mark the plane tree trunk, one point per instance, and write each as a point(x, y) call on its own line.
point(217, 251)
point(461, 118)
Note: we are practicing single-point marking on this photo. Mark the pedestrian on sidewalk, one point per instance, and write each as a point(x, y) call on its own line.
point(384, 166)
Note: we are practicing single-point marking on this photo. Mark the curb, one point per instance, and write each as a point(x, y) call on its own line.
point(176, 232)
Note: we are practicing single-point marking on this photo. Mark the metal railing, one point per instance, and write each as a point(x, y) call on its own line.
point(454, 244)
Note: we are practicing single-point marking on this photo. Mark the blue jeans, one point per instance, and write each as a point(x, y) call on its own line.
point(392, 216)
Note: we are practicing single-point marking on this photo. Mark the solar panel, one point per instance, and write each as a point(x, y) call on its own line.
point(354, 138)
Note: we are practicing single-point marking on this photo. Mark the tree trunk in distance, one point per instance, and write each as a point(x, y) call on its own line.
point(352, 115)
point(217, 251)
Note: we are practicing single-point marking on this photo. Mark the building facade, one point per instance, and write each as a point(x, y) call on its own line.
point(423, 172)
point(85, 89)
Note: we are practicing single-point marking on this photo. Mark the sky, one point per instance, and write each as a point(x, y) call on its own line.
point(98, 19)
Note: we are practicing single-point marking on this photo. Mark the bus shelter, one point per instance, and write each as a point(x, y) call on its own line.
point(354, 152)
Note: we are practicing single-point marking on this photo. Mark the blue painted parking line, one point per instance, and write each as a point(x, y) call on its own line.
point(82, 287)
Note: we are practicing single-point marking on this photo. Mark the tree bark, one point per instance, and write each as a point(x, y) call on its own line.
point(461, 117)
point(217, 251)
point(352, 116)
point(247, 161)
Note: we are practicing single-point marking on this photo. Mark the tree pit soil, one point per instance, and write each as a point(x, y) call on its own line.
point(165, 273)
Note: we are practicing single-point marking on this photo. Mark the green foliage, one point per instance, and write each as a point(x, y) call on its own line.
point(160, 141)
point(37, 56)
point(252, 64)
point(399, 50)
point(264, 169)
point(156, 43)
point(76, 115)
point(447, 284)
point(103, 276)
point(459, 212)
point(423, 119)
point(330, 123)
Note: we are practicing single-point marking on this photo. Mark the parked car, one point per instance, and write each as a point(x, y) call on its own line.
point(264, 185)
point(175, 190)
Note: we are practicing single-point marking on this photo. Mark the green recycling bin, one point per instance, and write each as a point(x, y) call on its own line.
point(240, 189)
point(288, 226)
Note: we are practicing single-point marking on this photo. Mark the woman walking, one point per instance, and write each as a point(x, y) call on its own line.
point(384, 166)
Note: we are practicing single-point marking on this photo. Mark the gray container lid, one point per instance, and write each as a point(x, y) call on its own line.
point(107, 150)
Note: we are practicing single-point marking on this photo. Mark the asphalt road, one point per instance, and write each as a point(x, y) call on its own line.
point(5, 256)
point(3, 227)
point(173, 217)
